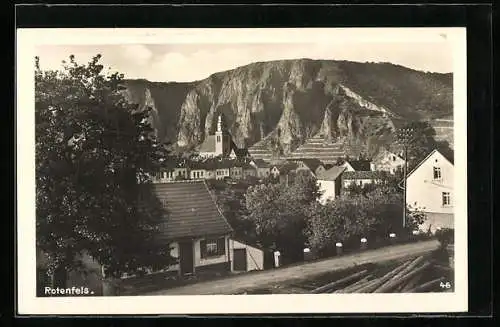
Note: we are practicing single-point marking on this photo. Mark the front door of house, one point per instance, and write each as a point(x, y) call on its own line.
point(186, 257)
point(240, 259)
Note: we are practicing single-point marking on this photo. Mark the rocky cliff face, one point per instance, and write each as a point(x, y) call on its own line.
point(280, 104)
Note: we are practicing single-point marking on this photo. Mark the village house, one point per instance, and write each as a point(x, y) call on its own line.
point(249, 170)
point(236, 170)
point(223, 169)
point(194, 227)
point(210, 166)
point(262, 168)
point(429, 188)
point(282, 168)
point(330, 183)
point(358, 165)
point(275, 171)
point(172, 170)
point(314, 166)
point(238, 153)
point(360, 178)
point(284, 171)
point(198, 170)
point(387, 161)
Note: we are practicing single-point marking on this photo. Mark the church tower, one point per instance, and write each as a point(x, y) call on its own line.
point(222, 139)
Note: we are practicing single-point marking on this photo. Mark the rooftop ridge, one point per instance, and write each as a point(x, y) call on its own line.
point(180, 181)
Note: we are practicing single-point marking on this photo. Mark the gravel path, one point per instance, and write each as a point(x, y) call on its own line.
point(238, 283)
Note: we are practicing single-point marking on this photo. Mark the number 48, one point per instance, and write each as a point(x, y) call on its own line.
point(445, 285)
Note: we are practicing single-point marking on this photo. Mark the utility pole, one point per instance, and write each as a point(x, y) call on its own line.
point(405, 138)
point(404, 174)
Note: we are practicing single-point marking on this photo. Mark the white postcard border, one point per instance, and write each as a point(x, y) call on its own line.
point(28, 303)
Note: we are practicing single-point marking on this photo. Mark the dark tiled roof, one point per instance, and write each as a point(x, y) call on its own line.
point(241, 153)
point(173, 162)
point(247, 166)
point(208, 145)
point(197, 165)
point(312, 164)
point(237, 164)
point(382, 154)
point(425, 159)
point(222, 164)
point(450, 157)
point(261, 163)
point(286, 167)
point(361, 175)
point(192, 211)
point(331, 174)
point(360, 165)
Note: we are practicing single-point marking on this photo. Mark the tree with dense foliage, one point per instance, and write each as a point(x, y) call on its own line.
point(419, 139)
point(354, 189)
point(347, 219)
point(95, 154)
point(231, 200)
point(279, 213)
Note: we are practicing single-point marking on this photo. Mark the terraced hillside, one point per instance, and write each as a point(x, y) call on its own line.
point(318, 148)
point(444, 129)
point(261, 151)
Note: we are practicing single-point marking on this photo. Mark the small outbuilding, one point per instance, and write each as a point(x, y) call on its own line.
point(246, 257)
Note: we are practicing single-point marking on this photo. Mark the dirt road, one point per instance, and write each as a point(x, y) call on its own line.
point(234, 284)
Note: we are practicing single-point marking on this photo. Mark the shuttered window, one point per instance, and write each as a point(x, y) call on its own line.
point(213, 247)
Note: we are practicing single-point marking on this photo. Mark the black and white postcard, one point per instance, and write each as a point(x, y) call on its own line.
point(188, 171)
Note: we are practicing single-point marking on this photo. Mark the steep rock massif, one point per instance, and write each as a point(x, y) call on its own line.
point(279, 105)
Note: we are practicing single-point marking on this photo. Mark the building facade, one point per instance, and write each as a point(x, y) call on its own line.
point(194, 227)
point(429, 188)
point(330, 183)
point(246, 257)
point(360, 178)
point(388, 162)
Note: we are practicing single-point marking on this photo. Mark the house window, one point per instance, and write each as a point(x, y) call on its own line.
point(213, 247)
point(393, 158)
point(218, 138)
point(446, 198)
point(437, 173)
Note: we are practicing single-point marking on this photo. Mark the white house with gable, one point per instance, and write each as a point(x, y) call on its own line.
point(330, 183)
point(429, 187)
point(387, 161)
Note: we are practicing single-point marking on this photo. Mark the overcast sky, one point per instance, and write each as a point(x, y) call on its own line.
point(190, 62)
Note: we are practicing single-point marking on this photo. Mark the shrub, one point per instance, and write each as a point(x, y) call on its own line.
point(445, 236)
